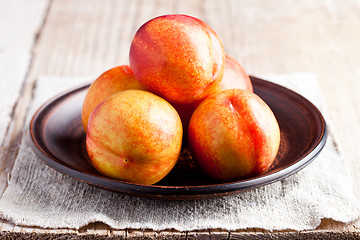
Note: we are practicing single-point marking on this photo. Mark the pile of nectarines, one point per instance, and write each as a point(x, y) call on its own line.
point(179, 84)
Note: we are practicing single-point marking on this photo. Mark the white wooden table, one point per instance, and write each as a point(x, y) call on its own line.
point(87, 37)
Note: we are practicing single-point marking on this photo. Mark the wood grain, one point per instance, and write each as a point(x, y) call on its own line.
point(16, 41)
point(86, 37)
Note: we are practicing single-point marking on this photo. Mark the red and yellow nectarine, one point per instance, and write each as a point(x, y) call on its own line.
point(233, 135)
point(177, 57)
point(134, 136)
point(235, 76)
point(112, 81)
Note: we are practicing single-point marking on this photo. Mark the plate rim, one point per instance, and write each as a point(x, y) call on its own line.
point(175, 192)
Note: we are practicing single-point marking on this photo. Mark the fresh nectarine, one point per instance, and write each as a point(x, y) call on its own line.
point(233, 135)
point(235, 76)
point(177, 57)
point(112, 81)
point(134, 136)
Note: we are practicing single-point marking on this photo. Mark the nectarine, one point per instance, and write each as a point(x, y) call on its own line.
point(134, 136)
point(235, 76)
point(233, 135)
point(177, 57)
point(112, 81)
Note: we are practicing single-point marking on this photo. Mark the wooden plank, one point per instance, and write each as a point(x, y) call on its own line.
point(171, 234)
point(219, 234)
point(97, 229)
point(189, 7)
point(201, 235)
point(100, 231)
point(295, 235)
point(17, 37)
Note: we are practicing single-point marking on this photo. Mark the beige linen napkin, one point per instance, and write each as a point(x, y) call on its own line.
point(39, 196)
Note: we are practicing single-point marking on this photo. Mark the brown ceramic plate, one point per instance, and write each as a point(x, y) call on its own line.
point(59, 140)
